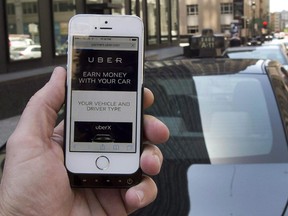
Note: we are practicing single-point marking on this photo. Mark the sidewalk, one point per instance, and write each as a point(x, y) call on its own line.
point(7, 126)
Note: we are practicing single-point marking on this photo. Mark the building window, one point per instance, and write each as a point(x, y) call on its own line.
point(10, 9)
point(63, 11)
point(29, 8)
point(192, 9)
point(63, 6)
point(226, 8)
point(192, 29)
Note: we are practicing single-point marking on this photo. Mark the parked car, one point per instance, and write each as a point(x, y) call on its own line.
point(259, 52)
point(16, 42)
point(30, 52)
point(227, 154)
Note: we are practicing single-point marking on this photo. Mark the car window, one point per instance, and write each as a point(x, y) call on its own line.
point(218, 118)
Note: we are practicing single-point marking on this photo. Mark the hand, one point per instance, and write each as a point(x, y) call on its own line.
point(35, 180)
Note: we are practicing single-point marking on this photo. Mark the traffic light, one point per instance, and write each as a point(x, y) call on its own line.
point(265, 24)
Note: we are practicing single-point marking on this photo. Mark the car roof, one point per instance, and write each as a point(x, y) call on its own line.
point(200, 67)
point(248, 48)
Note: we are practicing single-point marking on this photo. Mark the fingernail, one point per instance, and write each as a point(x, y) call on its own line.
point(157, 159)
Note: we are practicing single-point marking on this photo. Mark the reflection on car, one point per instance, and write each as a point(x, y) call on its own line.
point(260, 52)
point(29, 52)
point(62, 49)
point(243, 189)
point(225, 117)
point(16, 41)
point(278, 43)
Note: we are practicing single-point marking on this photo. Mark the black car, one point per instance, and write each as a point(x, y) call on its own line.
point(227, 153)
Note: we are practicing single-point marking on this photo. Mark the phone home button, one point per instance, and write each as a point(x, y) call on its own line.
point(102, 163)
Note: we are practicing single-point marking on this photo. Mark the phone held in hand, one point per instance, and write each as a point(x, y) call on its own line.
point(103, 123)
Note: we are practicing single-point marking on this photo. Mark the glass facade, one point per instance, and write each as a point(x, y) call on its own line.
point(152, 22)
point(137, 8)
point(164, 10)
point(106, 6)
point(174, 21)
point(119, 7)
point(36, 31)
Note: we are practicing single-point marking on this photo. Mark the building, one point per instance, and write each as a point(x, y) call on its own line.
point(223, 16)
point(279, 21)
point(284, 21)
point(275, 20)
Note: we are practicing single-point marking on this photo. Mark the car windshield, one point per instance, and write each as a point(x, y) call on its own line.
point(273, 54)
point(220, 118)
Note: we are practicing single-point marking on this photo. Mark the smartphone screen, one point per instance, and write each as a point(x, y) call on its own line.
point(104, 94)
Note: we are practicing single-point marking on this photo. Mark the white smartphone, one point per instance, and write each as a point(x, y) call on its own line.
point(103, 124)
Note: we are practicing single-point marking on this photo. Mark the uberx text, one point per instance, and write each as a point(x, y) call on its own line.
point(101, 127)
